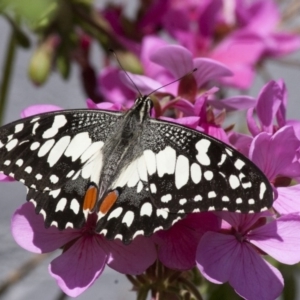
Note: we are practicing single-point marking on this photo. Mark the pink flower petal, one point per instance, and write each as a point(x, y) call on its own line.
point(191, 122)
point(254, 278)
point(177, 245)
point(132, 259)
point(209, 69)
point(79, 266)
point(176, 59)
point(280, 239)
point(288, 200)
point(268, 102)
point(222, 258)
point(38, 109)
point(241, 142)
point(234, 103)
point(29, 231)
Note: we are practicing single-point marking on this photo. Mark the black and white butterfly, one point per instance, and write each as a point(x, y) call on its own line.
point(138, 174)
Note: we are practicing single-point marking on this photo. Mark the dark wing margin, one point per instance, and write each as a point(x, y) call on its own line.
point(189, 171)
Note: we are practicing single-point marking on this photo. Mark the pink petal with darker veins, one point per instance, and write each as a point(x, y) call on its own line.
point(79, 266)
point(132, 259)
point(29, 231)
point(222, 258)
point(38, 109)
point(280, 239)
point(241, 142)
point(288, 200)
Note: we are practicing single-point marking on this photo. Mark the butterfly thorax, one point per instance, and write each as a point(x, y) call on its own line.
point(124, 145)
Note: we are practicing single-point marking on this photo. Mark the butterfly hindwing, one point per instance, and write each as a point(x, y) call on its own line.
point(189, 171)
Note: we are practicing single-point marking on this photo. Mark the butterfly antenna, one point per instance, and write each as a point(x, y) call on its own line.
point(191, 72)
point(114, 53)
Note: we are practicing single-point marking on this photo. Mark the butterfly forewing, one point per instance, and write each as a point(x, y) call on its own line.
point(47, 150)
point(190, 171)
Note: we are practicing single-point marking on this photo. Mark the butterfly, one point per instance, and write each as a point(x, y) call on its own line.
point(136, 173)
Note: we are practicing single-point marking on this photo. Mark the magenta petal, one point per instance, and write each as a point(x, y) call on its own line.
point(265, 148)
point(215, 256)
point(78, 267)
point(268, 103)
point(208, 69)
point(179, 253)
point(241, 142)
point(288, 200)
point(176, 59)
point(233, 103)
point(191, 122)
point(132, 259)
point(251, 123)
point(29, 231)
point(280, 239)
point(38, 109)
point(254, 278)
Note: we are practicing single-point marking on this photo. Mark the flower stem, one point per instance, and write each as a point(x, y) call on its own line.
point(8, 68)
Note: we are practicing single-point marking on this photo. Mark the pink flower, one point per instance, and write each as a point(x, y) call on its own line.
point(234, 254)
point(84, 252)
point(177, 246)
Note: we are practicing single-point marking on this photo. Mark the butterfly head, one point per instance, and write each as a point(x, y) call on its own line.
point(142, 107)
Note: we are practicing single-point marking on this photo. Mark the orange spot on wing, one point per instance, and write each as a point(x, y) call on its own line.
point(108, 201)
point(90, 198)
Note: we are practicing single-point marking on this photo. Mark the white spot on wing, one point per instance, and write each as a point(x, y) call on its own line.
point(251, 201)
point(150, 161)
point(182, 171)
point(58, 122)
point(7, 162)
point(208, 175)
point(38, 176)
point(139, 187)
point(239, 164)
point(19, 127)
point(137, 233)
point(225, 199)
point(54, 179)
point(238, 201)
point(58, 150)
point(182, 201)
point(75, 206)
point(61, 204)
point(28, 169)
point(19, 162)
point(142, 168)
point(128, 218)
point(34, 146)
point(34, 128)
point(162, 212)
point(196, 173)
point(54, 193)
point(202, 147)
point(11, 145)
point(212, 194)
point(79, 143)
point(92, 150)
point(153, 188)
point(262, 190)
point(234, 181)
point(165, 161)
point(46, 148)
point(115, 213)
point(146, 209)
point(166, 198)
point(223, 157)
point(69, 225)
point(197, 198)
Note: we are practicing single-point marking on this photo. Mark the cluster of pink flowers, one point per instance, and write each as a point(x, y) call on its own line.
point(226, 247)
